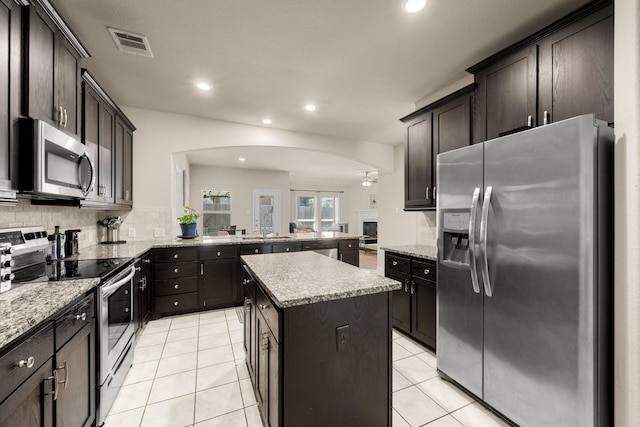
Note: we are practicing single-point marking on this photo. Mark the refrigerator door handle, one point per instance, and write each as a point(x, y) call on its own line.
point(483, 241)
point(472, 240)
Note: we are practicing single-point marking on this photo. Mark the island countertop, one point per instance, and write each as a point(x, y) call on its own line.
point(299, 278)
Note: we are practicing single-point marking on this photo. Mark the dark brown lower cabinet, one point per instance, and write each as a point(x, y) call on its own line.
point(41, 387)
point(302, 378)
point(142, 292)
point(31, 404)
point(414, 306)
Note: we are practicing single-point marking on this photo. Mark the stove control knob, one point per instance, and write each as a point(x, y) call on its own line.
point(6, 249)
point(7, 263)
point(7, 277)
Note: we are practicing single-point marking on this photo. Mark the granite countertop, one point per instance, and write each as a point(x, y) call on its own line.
point(26, 306)
point(136, 248)
point(418, 251)
point(299, 278)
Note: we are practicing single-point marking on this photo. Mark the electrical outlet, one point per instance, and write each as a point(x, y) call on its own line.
point(343, 338)
point(158, 232)
point(132, 232)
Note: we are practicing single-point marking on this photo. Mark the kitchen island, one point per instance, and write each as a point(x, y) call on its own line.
point(318, 340)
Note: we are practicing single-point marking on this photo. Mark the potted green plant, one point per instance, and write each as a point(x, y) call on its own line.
point(188, 222)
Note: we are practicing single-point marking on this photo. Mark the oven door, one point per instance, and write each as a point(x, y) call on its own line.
point(116, 319)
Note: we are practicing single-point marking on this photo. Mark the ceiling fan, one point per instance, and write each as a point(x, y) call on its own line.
point(367, 180)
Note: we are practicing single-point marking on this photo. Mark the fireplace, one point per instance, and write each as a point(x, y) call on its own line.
point(370, 228)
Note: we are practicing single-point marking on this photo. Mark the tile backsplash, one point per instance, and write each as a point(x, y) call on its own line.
point(426, 228)
point(145, 220)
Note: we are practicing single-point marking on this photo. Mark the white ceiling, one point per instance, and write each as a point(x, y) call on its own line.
point(364, 63)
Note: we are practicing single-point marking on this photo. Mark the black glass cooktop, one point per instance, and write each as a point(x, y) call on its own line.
point(71, 270)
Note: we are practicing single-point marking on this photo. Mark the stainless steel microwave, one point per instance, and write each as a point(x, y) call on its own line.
point(53, 164)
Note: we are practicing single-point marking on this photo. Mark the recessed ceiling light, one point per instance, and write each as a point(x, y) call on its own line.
point(203, 86)
point(241, 159)
point(310, 107)
point(267, 121)
point(413, 6)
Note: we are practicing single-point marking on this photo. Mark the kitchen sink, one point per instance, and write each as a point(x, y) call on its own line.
point(264, 238)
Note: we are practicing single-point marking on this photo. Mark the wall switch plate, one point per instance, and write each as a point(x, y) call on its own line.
point(132, 232)
point(343, 338)
point(158, 232)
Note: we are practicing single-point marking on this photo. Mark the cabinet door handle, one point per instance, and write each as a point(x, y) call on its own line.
point(434, 191)
point(395, 263)
point(138, 269)
point(65, 118)
point(201, 269)
point(147, 260)
point(427, 192)
point(287, 249)
point(218, 253)
point(27, 363)
point(60, 115)
point(82, 316)
point(413, 287)
point(176, 286)
point(54, 377)
point(175, 303)
point(175, 270)
point(255, 251)
point(545, 118)
point(406, 285)
point(262, 306)
point(530, 121)
point(265, 341)
point(175, 256)
point(66, 373)
point(426, 271)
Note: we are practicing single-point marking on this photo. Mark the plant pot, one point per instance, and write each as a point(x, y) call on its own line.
point(189, 229)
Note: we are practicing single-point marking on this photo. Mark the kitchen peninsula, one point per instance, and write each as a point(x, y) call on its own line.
point(317, 339)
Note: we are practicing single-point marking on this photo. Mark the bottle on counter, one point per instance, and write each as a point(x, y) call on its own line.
point(52, 252)
point(59, 238)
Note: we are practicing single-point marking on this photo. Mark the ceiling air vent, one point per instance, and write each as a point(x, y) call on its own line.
point(131, 42)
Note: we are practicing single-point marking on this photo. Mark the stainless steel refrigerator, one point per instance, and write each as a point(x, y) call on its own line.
point(525, 253)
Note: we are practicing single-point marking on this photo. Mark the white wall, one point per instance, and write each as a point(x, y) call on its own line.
point(627, 215)
point(241, 182)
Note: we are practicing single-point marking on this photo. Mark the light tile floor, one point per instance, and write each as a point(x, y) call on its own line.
point(190, 371)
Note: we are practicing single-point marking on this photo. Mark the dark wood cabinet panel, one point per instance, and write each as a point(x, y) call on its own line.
point(31, 404)
point(170, 255)
point(510, 97)
point(267, 373)
point(123, 163)
point(561, 71)
point(438, 127)
point(576, 70)
point(280, 247)
point(67, 84)
point(5, 122)
point(413, 306)
point(417, 164)
point(217, 283)
point(423, 321)
point(39, 53)
point(142, 292)
point(75, 361)
point(175, 304)
point(51, 83)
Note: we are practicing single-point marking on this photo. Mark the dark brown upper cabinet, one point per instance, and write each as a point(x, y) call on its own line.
point(441, 126)
point(562, 71)
point(51, 71)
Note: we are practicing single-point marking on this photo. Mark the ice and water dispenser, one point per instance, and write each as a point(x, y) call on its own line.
point(455, 238)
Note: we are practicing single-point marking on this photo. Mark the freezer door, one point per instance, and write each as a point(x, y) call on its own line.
point(459, 334)
point(539, 322)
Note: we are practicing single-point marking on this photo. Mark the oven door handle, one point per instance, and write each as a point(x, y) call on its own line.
point(108, 290)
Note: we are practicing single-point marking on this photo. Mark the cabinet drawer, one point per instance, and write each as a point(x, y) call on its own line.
point(424, 270)
point(269, 312)
point(175, 269)
point(73, 320)
point(176, 303)
point(180, 285)
point(281, 247)
point(397, 263)
point(33, 351)
point(347, 245)
point(175, 254)
point(218, 252)
point(319, 244)
point(259, 248)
